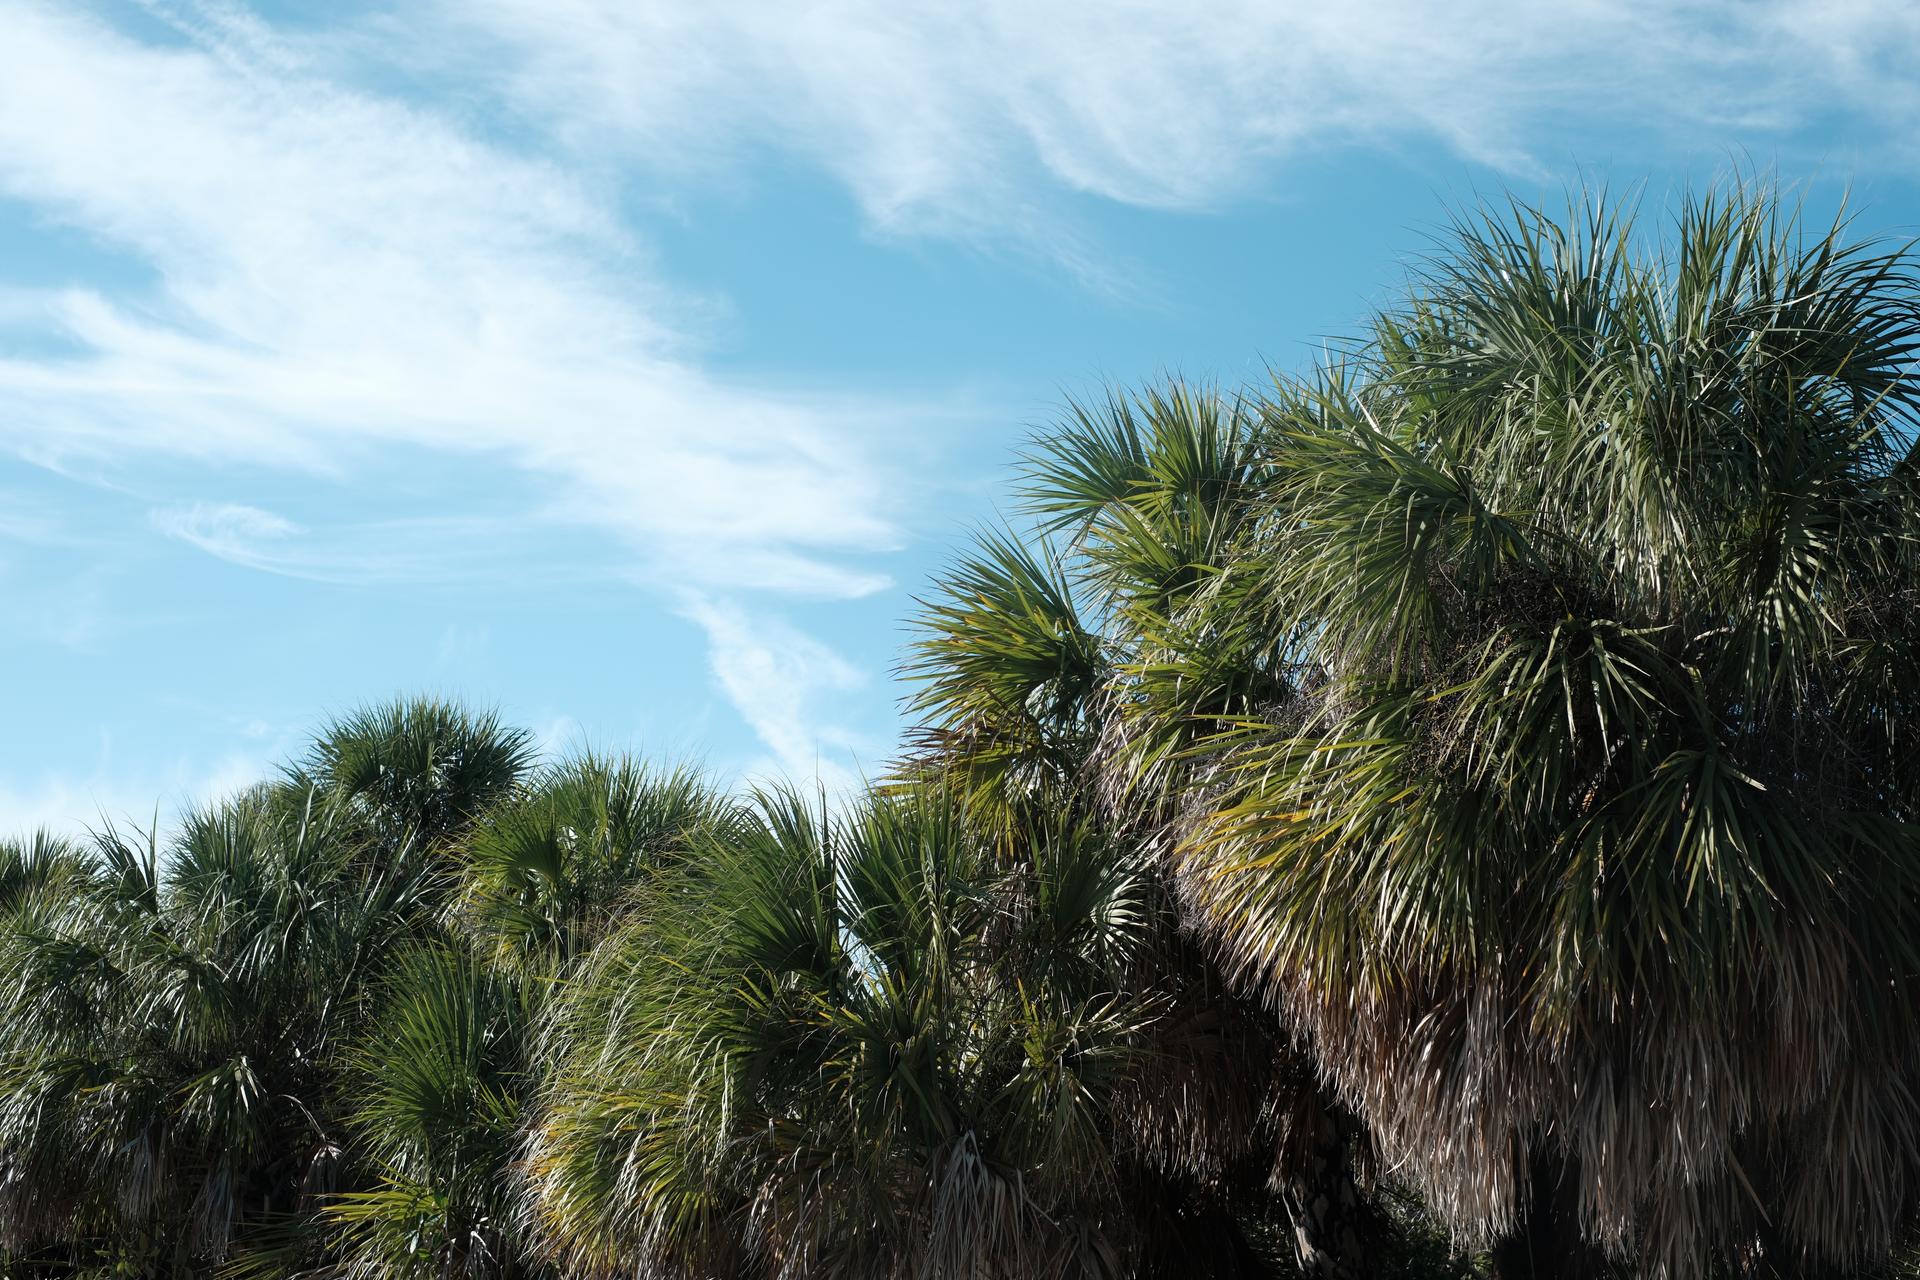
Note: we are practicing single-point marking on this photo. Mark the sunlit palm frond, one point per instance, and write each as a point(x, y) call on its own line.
point(419, 767)
point(861, 1046)
point(1583, 850)
point(439, 1080)
point(548, 870)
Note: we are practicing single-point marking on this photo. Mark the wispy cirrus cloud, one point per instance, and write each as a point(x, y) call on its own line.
point(419, 549)
point(973, 119)
point(340, 272)
point(408, 235)
point(230, 530)
point(782, 680)
point(327, 278)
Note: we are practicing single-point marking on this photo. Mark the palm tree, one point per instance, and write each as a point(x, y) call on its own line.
point(42, 865)
point(1042, 678)
point(178, 1024)
point(417, 769)
point(163, 1025)
point(888, 1043)
point(547, 872)
point(1577, 830)
point(1479, 766)
point(445, 1070)
point(440, 1078)
point(1032, 653)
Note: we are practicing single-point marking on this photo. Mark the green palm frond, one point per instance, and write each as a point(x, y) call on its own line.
point(848, 1047)
point(1006, 671)
point(173, 1022)
point(419, 766)
point(1584, 579)
point(1526, 700)
point(548, 870)
point(440, 1078)
point(1152, 491)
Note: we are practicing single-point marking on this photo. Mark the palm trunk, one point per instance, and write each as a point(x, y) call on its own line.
point(1333, 1227)
point(1549, 1244)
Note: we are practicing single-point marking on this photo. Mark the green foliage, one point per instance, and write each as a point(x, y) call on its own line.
point(177, 1024)
point(1006, 674)
point(1571, 816)
point(865, 1045)
point(1453, 806)
point(445, 1074)
point(548, 870)
point(161, 1022)
point(440, 1080)
point(1524, 699)
point(417, 769)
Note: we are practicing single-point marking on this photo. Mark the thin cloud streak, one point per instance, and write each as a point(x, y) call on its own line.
point(780, 680)
point(973, 120)
point(414, 550)
point(337, 275)
point(328, 274)
point(342, 273)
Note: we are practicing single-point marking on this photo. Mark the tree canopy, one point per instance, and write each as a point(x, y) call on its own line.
point(1451, 811)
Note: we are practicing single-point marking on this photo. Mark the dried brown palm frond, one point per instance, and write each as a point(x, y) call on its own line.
point(1524, 703)
point(1594, 849)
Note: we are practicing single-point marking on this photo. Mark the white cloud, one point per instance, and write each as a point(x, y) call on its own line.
point(781, 681)
point(414, 549)
point(331, 273)
point(231, 531)
point(963, 117)
point(135, 800)
point(336, 274)
point(340, 272)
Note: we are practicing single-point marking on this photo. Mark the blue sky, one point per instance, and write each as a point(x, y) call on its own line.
point(629, 366)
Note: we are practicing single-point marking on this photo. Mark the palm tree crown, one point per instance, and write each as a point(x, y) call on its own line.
point(1578, 830)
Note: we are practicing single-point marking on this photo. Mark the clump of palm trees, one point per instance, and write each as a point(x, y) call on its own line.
point(1451, 812)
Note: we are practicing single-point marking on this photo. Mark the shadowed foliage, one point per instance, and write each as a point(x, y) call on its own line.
point(1522, 704)
point(178, 1021)
point(1048, 678)
point(167, 1023)
point(444, 1077)
point(439, 1081)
